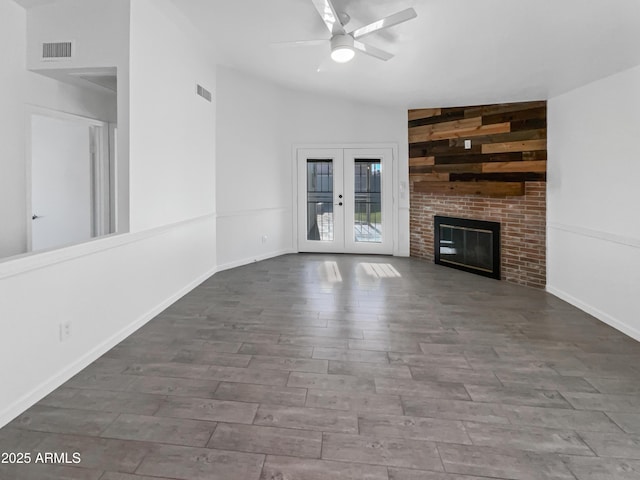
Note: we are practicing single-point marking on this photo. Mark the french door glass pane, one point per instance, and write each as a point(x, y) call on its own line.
point(320, 200)
point(367, 224)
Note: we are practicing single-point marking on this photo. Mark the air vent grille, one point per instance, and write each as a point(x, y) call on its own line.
point(204, 93)
point(57, 50)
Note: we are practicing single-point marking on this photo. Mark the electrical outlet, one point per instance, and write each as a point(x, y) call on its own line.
point(467, 144)
point(264, 239)
point(65, 331)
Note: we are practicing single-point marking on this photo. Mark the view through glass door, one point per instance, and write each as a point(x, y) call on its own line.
point(344, 200)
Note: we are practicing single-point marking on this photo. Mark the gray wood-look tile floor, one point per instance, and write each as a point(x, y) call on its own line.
point(317, 367)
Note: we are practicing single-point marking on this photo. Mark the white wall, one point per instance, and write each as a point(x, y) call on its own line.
point(259, 123)
point(593, 236)
point(13, 214)
point(110, 286)
point(172, 130)
point(253, 183)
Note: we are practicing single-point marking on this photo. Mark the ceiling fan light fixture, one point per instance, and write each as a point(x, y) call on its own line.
point(342, 54)
point(342, 50)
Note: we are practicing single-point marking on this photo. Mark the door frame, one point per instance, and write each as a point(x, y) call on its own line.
point(395, 208)
point(101, 171)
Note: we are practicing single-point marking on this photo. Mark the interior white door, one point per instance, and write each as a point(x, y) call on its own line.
point(60, 182)
point(345, 200)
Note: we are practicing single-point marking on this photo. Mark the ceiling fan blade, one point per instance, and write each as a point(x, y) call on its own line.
point(329, 16)
point(299, 43)
point(386, 22)
point(373, 51)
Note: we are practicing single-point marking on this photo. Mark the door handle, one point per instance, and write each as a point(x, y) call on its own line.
point(35, 217)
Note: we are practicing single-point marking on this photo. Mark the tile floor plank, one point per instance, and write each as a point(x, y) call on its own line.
point(48, 472)
point(613, 445)
point(245, 392)
point(276, 350)
point(378, 450)
point(161, 430)
point(288, 364)
point(354, 401)
point(498, 463)
point(418, 428)
point(532, 439)
point(208, 409)
point(368, 370)
point(604, 402)
point(126, 476)
point(99, 453)
point(187, 463)
point(583, 421)
point(401, 386)
point(603, 468)
point(319, 419)
point(267, 440)
point(629, 422)
point(63, 420)
point(344, 355)
point(109, 401)
point(294, 468)
point(454, 410)
point(331, 382)
point(406, 474)
point(518, 396)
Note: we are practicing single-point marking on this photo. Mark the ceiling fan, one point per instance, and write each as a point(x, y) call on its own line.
point(343, 43)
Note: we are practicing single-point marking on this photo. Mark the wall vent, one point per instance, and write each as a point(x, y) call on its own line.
point(57, 50)
point(204, 93)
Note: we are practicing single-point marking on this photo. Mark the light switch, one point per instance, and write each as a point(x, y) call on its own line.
point(467, 144)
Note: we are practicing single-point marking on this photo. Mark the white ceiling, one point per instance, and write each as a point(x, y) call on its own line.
point(457, 52)
point(33, 3)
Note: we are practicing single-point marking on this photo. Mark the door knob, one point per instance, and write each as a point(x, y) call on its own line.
point(340, 203)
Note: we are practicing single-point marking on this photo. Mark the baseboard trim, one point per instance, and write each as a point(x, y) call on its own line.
point(45, 388)
point(253, 259)
point(599, 314)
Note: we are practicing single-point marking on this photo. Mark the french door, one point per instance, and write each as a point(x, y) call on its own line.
point(345, 202)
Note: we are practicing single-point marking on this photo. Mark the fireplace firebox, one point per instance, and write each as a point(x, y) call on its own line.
point(469, 245)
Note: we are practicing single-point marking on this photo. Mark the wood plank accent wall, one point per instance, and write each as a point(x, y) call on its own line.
point(508, 148)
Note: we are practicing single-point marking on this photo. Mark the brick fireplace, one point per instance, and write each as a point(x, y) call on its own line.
point(483, 163)
point(523, 225)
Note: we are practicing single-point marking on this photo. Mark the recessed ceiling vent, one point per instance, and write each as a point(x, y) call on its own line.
point(204, 93)
point(57, 51)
